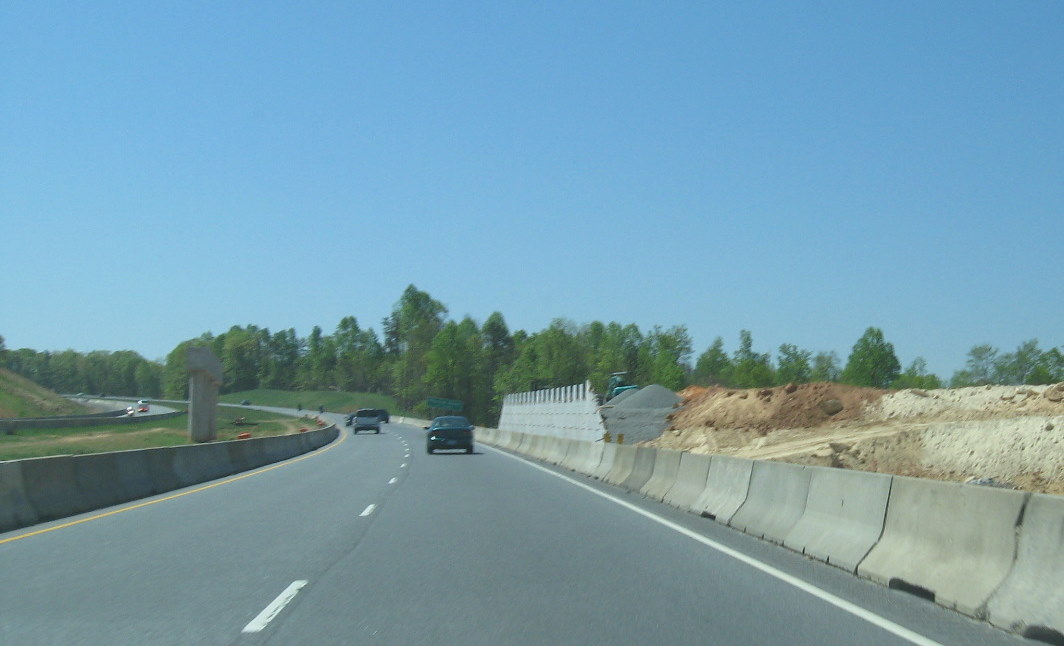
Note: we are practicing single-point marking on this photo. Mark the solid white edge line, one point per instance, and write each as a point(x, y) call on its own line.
point(269, 612)
point(824, 595)
point(368, 510)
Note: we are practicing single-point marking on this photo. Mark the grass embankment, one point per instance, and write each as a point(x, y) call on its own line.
point(20, 397)
point(334, 402)
point(151, 433)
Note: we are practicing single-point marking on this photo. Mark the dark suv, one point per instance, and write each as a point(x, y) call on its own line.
point(366, 419)
point(450, 432)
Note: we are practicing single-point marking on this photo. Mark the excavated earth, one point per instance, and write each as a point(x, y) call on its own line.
point(1010, 435)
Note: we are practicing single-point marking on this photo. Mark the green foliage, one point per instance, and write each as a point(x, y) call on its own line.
point(872, 362)
point(1026, 365)
point(793, 365)
point(713, 366)
point(825, 367)
point(750, 369)
point(916, 376)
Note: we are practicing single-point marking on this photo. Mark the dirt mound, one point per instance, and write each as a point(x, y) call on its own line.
point(767, 409)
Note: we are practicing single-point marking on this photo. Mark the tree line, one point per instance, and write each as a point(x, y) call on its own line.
point(421, 353)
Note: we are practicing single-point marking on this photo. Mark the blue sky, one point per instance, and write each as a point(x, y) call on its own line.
point(800, 170)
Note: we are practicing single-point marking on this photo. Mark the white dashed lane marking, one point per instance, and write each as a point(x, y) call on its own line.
point(393, 481)
point(272, 610)
point(368, 510)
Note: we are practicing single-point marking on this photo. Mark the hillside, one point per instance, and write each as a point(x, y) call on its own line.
point(20, 397)
point(1008, 434)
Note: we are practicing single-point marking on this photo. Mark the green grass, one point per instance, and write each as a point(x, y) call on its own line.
point(152, 433)
point(334, 402)
point(20, 397)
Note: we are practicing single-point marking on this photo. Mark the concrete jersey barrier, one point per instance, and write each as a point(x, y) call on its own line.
point(606, 460)
point(691, 478)
point(953, 541)
point(41, 489)
point(623, 462)
point(642, 468)
point(726, 488)
point(666, 465)
point(844, 515)
point(775, 502)
point(1031, 600)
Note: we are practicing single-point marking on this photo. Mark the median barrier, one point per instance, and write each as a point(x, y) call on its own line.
point(642, 468)
point(691, 476)
point(15, 508)
point(502, 438)
point(97, 478)
point(775, 502)
point(577, 453)
point(561, 451)
point(666, 465)
point(536, 447)
point(197, 463)
point(515, 440)
point(726, 488)
point(591, 459)
point(606, 461)
point(161, 466)
point(843, 518)
point(51, 486)
point(134, 474)
point(947, 541)
point(623, 462)
point(523, 442)
point(1031, 600)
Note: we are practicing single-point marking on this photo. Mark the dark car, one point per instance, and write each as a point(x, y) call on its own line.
point(383, 414)
point(366, 419)
point(450, 432)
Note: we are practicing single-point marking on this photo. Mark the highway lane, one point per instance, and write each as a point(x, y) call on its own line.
point(378, 543)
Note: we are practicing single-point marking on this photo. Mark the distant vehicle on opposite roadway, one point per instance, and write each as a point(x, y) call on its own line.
point(366, 419)
point(449, 432)
point(245, 402)
point(142, 406)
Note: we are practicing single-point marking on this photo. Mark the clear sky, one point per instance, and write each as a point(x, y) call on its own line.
point(803, 170)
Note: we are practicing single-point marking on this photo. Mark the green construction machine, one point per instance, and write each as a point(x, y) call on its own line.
point(616, 385)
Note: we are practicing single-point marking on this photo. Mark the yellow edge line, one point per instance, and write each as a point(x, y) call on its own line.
point(343, 438)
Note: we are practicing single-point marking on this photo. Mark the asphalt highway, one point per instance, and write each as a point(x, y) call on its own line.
point(372, 541)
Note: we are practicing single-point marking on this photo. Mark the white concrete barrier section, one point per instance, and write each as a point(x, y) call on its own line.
point(691, 479)
point(577, 454)
point(726, 488)
point(562, 451)
point(951, 541)
point(666, 465)
point(15, 508)
point(623, 462)
point(642, 468)
point(569, 412)
point(844, 515)
point(605, 465)
point(1031, 600)
point(197, 463)
point(592, 458)
point(775, 502)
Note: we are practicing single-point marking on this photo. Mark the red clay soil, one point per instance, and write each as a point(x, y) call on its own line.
point(766, 409)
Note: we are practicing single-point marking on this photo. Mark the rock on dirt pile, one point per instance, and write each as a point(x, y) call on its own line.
point(766, 409)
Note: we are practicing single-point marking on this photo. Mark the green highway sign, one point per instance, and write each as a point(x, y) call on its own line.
point(445, 404)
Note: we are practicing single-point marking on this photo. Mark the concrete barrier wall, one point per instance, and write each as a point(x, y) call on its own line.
point(642, 468)
point(844, 515)
point(41, 489)
point(15, 508)
point(609, 456)
point(570, 412)
point(775, 502)
point(691, 478)
point(591, 459)
point(623, 463)
point(666, 466)
point(954, 541)
point(726, 488)
point(1031, 600)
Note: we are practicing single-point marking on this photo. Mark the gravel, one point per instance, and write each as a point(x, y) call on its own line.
point(641, 415)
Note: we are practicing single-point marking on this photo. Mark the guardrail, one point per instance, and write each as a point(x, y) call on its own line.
point(992, 554)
